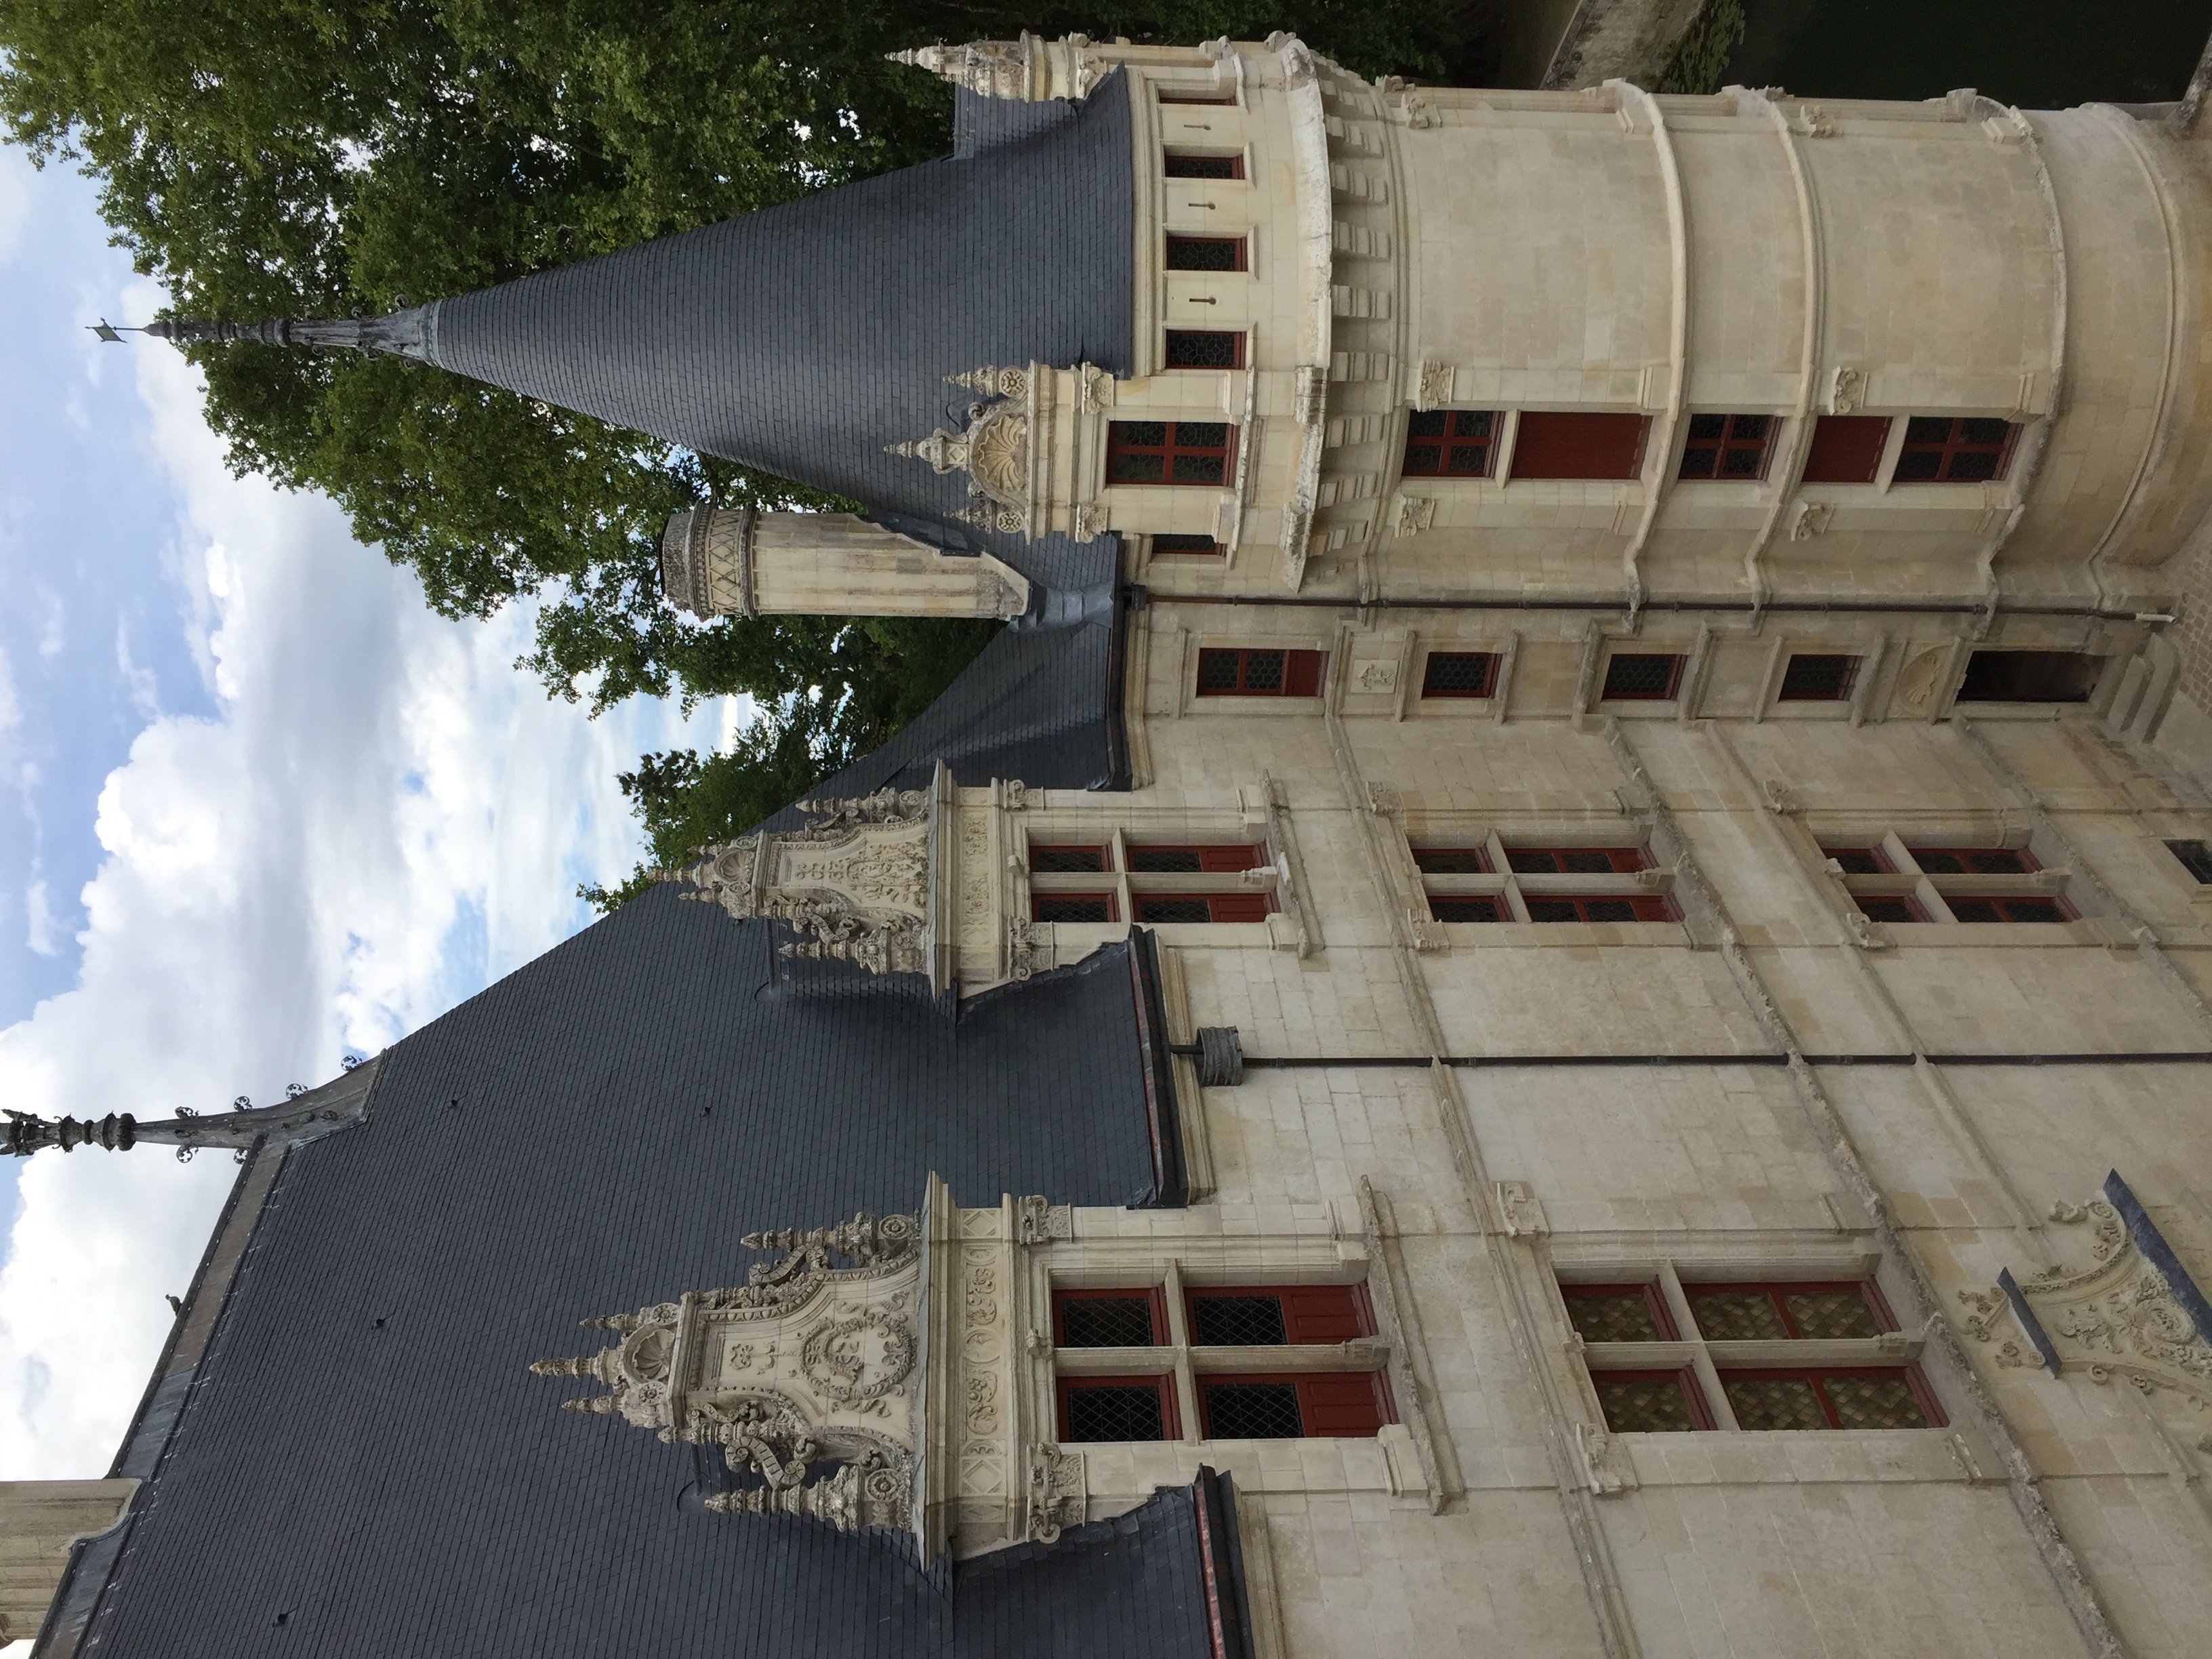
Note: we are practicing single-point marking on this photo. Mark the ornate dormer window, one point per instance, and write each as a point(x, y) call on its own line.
point(1032, 448)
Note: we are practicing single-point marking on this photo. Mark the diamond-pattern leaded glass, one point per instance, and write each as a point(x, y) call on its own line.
point(1199, 348)
point(1821, 1314)
point(1252, 1411)
point(1169, 860)
point(1072, 907)
point(1614, 1316)
point(1727, 1316)
point(1152, 907)
point(1237, 1322)
point(1641, 674)
point(1114, 1412)
point(1451, 861)
point(1643, 1405)
point(1106, 1321)
point(1875, 1402)
point(1458, 673)
point(1774, 1402)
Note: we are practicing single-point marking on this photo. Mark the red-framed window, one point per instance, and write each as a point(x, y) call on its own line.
point(1207, 253)
point(1093, 1409)
point(1459, 674)
point(1452, 860)
point(2030, 677)
point(2025, 906)
point(1846, 449)
point(1213, 858)
point(1975, 861)
point(1202, 546)
point(1070, 860)
point(1643, 677)
point(1942, 449)
point(1728, 447)
point(1204, 348)
point(1467, 907)
point(1226, 673)
point(1450, 443)
point(1651, 1401)
point(1860, 860)
point(1555, 907)
point(1169, 97)
point(1889, 907)
point(1817, 677)
point(1577, 860)
point(1575, 444)
point(1620, 1313)
point(1073, 907)
point(2196, 857)
point(1832, 1397)
point(1335, 1404)
point(1114, 1318)
point(1170, 453)
point(1791, 1311)
point(1204, 164)
point(1278, 1316)
point(1203, 907)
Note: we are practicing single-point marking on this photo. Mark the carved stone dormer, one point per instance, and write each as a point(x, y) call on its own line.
point(1034, 449)
point(899, 881)
point(858, 884)
point(899, 1389)
point(805, 1363)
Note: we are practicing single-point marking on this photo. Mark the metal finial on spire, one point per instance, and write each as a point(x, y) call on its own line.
point(408, 332)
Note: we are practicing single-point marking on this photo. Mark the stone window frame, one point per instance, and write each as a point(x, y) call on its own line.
point(1496, 834)
point(1169, 1267)
point(1194, 644)
point(1726, 442)
point(1687, 1349)
point(1954, 446)
point(1870, 679)
point(1927, 894)
point(1490, 443)
point(1172, 450)
point(1252, 816)
point(1238, 156)
point(1512, 890)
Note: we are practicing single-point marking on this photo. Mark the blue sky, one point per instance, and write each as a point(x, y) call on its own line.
point(258, 807)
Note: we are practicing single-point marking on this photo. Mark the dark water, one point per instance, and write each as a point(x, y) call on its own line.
point(2036, 54)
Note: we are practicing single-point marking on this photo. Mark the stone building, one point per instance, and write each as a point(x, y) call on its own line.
point(1549, 997)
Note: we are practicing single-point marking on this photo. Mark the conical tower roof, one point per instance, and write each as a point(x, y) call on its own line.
point(802, 339)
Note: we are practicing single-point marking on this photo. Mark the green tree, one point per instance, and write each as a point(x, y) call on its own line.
point(321, 157)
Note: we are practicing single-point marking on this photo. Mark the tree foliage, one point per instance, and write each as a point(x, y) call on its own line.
point(322, 157)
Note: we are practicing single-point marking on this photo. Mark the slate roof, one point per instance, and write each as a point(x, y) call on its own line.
point(805, 338)
point(362, 1450)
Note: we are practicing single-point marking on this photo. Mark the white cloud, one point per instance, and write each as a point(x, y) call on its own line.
point(11, 712)
point(39, 925)
point(50, 615)
point(280, 881)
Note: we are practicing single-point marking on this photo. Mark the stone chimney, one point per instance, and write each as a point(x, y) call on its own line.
point(39, 1522)
point(717, 563)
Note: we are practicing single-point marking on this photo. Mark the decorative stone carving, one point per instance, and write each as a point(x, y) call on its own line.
point(996, 69)
point(806, 1363)
point(1038, 1220)
point(2120, 1316)
point(1847, 391)
point(993, 449)
point(1915, 681)
point(1088, 523)
point(1056, 1492)
point(1436, 384)
point(1812, 520)
point(854, 884)
point(1094, 388)
point(1415, 514)
point(1518, 1207)
point(1376, 675)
